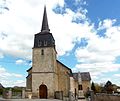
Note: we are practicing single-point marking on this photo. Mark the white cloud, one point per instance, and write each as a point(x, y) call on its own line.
point(24, 62)
point(9, 79)
point(20, 83)
point(101, 49)
point(21, 23)
point(98, 68)
point(100, 54)
point(83, 2)
point(20, 61)
point(12, 83)
point(5, 74)
point(1, 55)
point(17, 75)
point(107, 23)
point(117, 75)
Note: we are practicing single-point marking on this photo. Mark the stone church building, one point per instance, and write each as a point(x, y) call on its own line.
point(48, 77)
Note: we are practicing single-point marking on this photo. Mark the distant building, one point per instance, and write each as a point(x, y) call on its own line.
point(1, 89)
point(1, 86)
point(48, 77)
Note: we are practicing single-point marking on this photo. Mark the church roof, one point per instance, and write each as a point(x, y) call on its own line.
point(75, 76)
point(65, 67)
point(44, 38)
point(29, 69)
point(45, 26)
point(85, 76)
point(61, 64)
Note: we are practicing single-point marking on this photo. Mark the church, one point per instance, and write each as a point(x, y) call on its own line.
point(48, 77)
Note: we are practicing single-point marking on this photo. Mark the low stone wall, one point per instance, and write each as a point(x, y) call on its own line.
point(107, 97)
point(59, 95)
point(9, 94)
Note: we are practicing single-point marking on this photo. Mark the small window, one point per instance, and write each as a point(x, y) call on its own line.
point(45, 43)
point(80, 87)
point(39, 43)
point(42, 52)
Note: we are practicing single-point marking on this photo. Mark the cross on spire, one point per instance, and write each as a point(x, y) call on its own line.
point(45, 26)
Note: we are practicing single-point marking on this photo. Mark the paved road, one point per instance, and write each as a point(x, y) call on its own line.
point(34, 100)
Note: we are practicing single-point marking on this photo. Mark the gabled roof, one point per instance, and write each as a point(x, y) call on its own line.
point(65, 66)
point(29, 69)
point(75, 76)
point(85, 76)
point(1, 86)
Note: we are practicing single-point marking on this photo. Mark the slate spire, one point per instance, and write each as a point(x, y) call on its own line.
point(45, 26)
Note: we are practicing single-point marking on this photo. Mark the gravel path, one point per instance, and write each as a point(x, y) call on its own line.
point(29, 100)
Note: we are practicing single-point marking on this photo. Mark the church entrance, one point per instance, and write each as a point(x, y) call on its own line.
point(43, 91)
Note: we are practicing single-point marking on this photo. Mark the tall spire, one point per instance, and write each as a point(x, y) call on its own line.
point(45, 26)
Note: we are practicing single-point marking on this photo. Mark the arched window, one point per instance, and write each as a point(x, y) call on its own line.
point(42, 52)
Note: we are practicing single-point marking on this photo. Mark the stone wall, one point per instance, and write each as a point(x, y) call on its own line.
point(106, 97)
point(44, 70)
point(44, 62)
point(63, 79)
point(72, 84)
point(29, 82)
point(43, 78)
point(85, 85)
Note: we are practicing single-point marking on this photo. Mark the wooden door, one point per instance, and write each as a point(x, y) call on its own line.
point(43, 91)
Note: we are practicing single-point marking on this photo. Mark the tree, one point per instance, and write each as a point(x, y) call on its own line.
point(98, 88)
point(93, 87)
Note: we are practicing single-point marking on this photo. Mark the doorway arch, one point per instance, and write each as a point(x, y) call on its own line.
point(43, 91)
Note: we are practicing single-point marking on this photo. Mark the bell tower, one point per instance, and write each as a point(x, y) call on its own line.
point(44, 38)
point(44, 66)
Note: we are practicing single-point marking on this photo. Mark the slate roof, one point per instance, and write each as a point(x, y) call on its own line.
point(75, 76)
point(85, 76)
point(45, 26)
point(29, 69)
point(44, 38)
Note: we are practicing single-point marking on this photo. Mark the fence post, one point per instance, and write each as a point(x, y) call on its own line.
point(10, 93)
point(23, 93)
point(92, 95)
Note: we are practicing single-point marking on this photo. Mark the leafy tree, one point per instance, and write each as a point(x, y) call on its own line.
point(98, 88)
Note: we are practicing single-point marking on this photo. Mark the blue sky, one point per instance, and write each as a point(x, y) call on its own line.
point(87, 36)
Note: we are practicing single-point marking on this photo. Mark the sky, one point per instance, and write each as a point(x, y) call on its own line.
point(86, 32)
